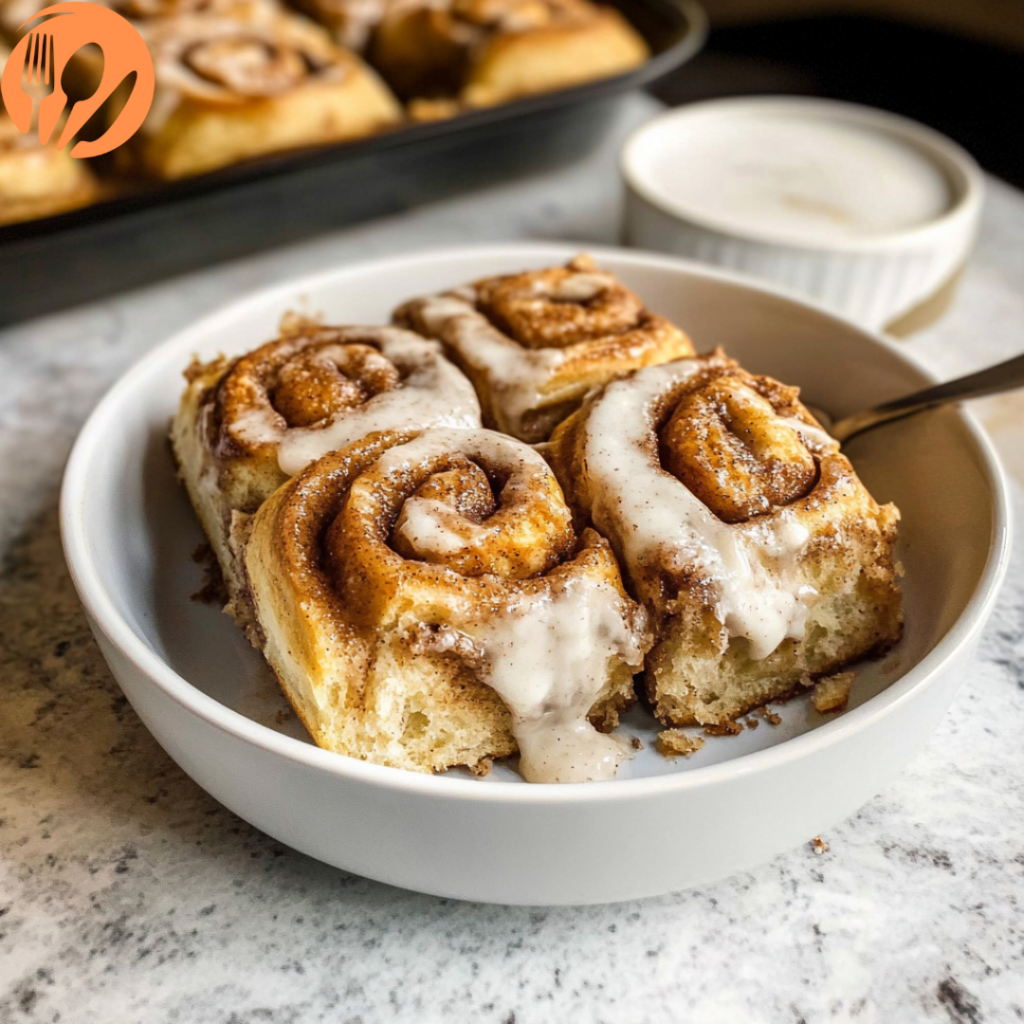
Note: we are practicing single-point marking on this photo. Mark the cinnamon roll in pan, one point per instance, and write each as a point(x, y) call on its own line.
point(38, 180)
point(244, 426)
point(763, 561)
point(535, 343)
point(236, 85)
point(425, 602)
point(484, 52)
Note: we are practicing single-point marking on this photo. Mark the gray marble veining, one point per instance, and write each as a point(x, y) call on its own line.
point(127, 894)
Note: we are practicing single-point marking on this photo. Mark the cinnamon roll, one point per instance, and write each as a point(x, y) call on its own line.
point(244, 426)
point(484, 52)
point(246, 81)
point(761, 558)
point(425, 603)
point(38, 180)
point(535, 343)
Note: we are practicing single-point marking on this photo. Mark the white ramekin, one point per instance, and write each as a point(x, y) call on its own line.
point(873, 280)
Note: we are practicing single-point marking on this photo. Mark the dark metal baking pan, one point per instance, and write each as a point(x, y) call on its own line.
point(56, 262)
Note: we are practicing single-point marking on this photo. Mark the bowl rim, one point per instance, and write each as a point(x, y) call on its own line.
point(957, 164)
point(117, 631)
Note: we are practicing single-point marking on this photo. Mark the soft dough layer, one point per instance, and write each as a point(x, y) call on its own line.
point(535, 343)
point(761, 557)
point(425, 603)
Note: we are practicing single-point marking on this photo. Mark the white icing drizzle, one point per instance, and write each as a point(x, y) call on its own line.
point(548, 661)
point(652, 515)
point(518, 373)
point(433, 393)
point(433, 528)
point(547, 656)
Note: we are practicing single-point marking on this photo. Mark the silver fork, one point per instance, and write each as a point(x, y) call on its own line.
point(994, 380)
point(37, 77)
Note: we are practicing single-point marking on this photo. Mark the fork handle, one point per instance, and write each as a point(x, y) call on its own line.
point(992, 381)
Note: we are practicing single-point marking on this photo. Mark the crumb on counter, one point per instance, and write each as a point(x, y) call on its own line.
point(819, 845)
point(676, 743)
point(832, 693)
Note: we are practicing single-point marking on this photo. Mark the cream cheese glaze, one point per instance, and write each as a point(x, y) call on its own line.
point(546, 655)
point(547, 660)
point(651, 515)
point(432, 392)
point(520, 374)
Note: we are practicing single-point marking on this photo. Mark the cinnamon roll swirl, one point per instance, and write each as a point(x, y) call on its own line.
point(244, 426)
point(243, 80)
point(425, 603)
point(535, 343)
point(37, 180)
point(484, 52)
point(761, 558)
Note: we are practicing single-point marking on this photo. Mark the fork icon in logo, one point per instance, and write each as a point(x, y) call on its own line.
point(37, 77)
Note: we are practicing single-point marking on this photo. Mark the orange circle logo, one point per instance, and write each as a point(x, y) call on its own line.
point(35, 66)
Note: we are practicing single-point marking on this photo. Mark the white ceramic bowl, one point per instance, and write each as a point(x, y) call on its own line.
point(663, 825)
point(873, 278)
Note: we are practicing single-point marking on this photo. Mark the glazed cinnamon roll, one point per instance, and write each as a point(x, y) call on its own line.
point(762, 559)
point(425, 603)
point(246, 425)
point(535, 343)
point(244, 81)
point(483, 52)
point(37, 180)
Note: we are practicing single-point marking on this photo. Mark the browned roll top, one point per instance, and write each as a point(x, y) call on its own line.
point(469, 517)
point(557, 307)
point(301, 380)
point(568, 305)
point(727, 439)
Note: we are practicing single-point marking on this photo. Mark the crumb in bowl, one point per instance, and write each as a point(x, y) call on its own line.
point(832, 694)
point(677, 743)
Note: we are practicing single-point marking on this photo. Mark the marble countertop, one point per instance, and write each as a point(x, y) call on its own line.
point(129, 895)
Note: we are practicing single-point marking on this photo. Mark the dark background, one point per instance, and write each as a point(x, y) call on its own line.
point(957, 67)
